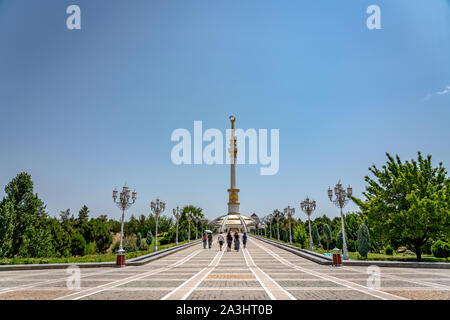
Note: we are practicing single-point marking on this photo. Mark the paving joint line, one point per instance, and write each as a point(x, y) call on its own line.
point(117, 283)
point(378, 293)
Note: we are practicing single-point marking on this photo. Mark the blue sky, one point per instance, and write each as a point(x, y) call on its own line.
point(86, 111)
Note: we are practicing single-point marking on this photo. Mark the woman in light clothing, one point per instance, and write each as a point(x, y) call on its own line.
point(220, 240)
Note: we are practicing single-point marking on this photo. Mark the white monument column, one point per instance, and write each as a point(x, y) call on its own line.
point(233, 197)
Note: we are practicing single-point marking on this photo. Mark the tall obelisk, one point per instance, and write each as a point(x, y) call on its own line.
point(233, 198)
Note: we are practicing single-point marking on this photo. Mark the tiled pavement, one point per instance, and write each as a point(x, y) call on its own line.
point(261, 271)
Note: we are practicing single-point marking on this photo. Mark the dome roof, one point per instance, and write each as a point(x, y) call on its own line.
point(233, 221)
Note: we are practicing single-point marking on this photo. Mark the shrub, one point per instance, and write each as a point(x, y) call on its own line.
point(408, 253)
point(163, 240)
point(315, 235)
point(97, 230)
point(327, 234)
point(299, 234)
point(363, 244)
point(351, 245)
point(138, 239)
point(77, 244)
point(143, 246)
point(36, 244)
point(128, 244)
point(149, 238)
point(91, 248)
point(389, 250)
point(339, 240)
point(440, 249)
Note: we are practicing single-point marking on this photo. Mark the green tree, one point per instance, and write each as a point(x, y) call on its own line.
point(131, 227)
point(138, 239)
point(407, 202)
point(149, 238)
point(363, 243)
point(300, 236)
point(83, 214)
point(315, 235)
point(7, 216)
point(91, 248)
point(327, 233)
point(339, 241)
point(440, 249)
point(96, 230)
point(352, 221)
point(37, 243)
point(27, 207)
point(77, 245)
point(60, 238)
point(64, 215)
point(68, 221)
point(113, 226)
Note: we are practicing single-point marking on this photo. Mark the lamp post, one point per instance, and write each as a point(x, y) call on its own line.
point(189, 218)
point(196, 220)
point(157, 207)
point(277, 217)
point(289, 211)
point(263, 225)
point(123, 204)
point(176, 213)
point(270, 219)
point(308, 207)
point(257, 223)
point(205, 223)
point(340, 201)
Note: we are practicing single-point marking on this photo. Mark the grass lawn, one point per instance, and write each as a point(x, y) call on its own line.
point(107, 257)
point(379, 256)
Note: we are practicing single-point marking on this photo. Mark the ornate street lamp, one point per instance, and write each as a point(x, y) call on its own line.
point(157, 207)
point(176, 213)
point(269, 220)
point(277, 217)
point(257, 223)
point(189, 218)
point(308, 207)
point(340, 201)
point(124, 203)
point(289, 211)
point(263, 225)
point(204, 223)
point(197, 219)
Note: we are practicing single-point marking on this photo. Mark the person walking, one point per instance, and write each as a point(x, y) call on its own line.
point(204, 240)
point(244, 240)
point(220, 240)
point(236, 241)
point(229, 241)
point(210, 240)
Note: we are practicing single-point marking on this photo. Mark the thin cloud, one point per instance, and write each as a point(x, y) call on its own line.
point(446, 90)
point(439, 93)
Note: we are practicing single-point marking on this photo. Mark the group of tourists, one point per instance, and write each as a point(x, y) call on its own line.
point(208, 239)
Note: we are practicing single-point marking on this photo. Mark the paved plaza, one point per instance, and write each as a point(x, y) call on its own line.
point(262, 271)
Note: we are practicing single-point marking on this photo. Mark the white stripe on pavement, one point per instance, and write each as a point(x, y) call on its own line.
point(186, 288)
point(370, 291)
point(98, 289)
point(276, 292)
